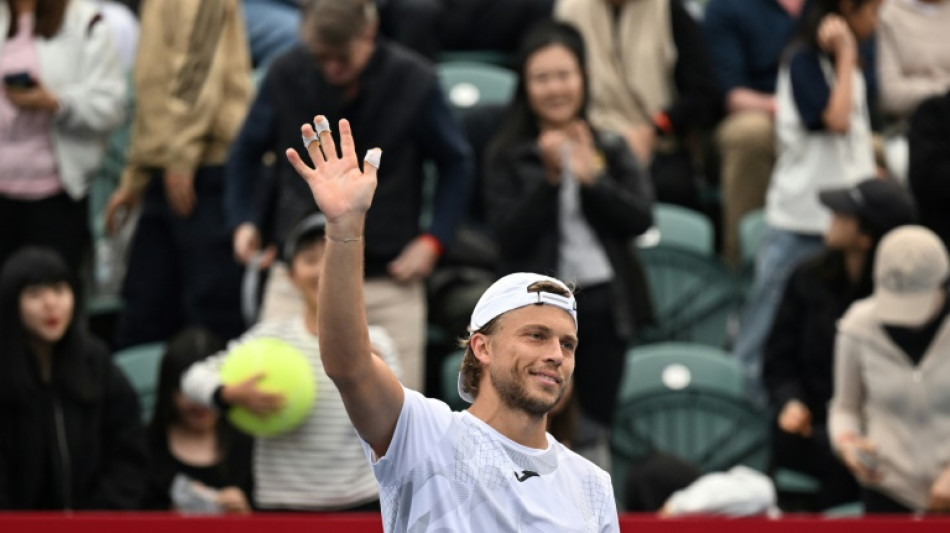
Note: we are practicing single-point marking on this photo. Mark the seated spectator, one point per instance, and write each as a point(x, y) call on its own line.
point(913, 65)
point(191, 96)
point(70, 433)
point(63, 93)
point(199, 461)
point(824, 141)
point(929, 142)
point(564, 198)
point(320, 465)
point(799, 353)
point(890, 415)
point(650, 81)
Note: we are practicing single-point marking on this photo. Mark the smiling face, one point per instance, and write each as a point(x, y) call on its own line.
point(46, 311)
point(554, 85)
point(531, 358)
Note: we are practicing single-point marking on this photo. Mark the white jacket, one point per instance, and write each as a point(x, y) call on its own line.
point(81, 67)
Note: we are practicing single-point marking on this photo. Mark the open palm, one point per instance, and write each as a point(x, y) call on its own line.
point(338, 186)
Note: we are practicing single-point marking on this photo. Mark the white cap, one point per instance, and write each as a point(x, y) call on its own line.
point(910, 270)
point(510, 293)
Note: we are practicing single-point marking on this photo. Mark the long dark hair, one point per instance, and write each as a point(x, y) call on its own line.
point(815, 11)
point(520, 121)
point(49, 17)
point(18, 378)
point(185, 349)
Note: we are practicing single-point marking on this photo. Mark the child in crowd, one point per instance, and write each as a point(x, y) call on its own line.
point(320, 465)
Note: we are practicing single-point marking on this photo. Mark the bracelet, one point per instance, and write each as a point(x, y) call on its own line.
point(354, 239)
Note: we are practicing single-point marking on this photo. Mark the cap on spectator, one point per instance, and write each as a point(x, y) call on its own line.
point(315, 223)
point(910, 270)
point(881, 204)
point(512, 292)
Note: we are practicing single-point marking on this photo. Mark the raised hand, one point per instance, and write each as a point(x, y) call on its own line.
point(341, 190)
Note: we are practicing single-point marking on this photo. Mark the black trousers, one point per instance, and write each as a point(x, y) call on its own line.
point(58, 222)
point(181, 270)
point(878, 503)
point(599, 359)
point(814, 456)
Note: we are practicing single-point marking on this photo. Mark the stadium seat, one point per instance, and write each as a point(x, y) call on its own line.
point(140, 365)
point(470, 84)
point(667, 366)
point(752, 229)
point(681, 228)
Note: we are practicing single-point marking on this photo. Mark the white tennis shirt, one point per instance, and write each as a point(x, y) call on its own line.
point(449, 471)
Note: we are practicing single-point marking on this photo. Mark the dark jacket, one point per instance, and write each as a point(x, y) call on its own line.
point(400, 108)
point(929, 171)
point(522, 208)
point(799, 352)
point(63, 451)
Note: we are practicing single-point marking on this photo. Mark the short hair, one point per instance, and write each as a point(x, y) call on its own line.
point(471, 369)
point(336, 23)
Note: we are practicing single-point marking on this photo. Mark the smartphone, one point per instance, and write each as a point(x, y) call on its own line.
point(19, 80)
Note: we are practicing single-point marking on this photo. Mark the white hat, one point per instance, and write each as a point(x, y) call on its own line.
point(910, 270)
point(510, 293)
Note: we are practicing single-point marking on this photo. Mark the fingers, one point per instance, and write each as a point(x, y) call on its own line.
point(294, 158)
point(312, 145)
point(325, 134)
point(270, 253)
point(347, 145)
point(372, 161)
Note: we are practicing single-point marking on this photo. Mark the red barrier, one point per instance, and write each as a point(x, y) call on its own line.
point(370, 523)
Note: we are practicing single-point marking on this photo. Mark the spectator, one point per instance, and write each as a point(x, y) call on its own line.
point(192, 81)
point(912, 66)
point(824, 141)
point(70, 435)
point(191, 445)
point(799, 353)
point(564, 198)
point(125, 30)
point(320, 465)
point(889, 416)
point(929, 142)
point(64, 91)
point(651, 82)
point(393, 95)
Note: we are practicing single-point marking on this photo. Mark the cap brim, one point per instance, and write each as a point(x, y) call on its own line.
point(839, 201)
point(906, 310)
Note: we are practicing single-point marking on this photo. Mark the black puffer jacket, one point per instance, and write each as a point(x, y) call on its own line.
point(74, 450)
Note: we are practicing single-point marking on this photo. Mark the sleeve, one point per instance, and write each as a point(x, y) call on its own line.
point(444, 142)
point(696, 103)
point(780, 369)
point(422, 424)
point(901, 93)
point(611, 521)
point(723, 34)
point(244, 171)
point(621, 202)
point(517, 211)
point(810, 88)
point(122, 478)
point(847, 404)
point(96, 103)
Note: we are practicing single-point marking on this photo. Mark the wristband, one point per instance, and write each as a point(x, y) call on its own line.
point(433, 242)
point(661, 121)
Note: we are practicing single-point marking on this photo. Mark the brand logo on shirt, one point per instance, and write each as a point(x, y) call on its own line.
point(525, 474)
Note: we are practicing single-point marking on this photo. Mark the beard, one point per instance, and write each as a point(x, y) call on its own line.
point(512, 391)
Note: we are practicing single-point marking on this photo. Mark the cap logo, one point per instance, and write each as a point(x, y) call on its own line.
point(856, 195)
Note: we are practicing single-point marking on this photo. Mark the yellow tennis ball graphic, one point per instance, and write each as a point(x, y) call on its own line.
point(286, 371)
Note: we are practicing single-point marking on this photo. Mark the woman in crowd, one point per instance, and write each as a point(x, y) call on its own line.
point(799, 352)
point(63, 92)
point(890, 416)
point(567, 200)
point(70, 434)
point(199, 461)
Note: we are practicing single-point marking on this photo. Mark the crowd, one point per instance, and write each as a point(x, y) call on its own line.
point(830, 115)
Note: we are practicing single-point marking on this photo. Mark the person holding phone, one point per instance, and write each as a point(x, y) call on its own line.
point(63, 92)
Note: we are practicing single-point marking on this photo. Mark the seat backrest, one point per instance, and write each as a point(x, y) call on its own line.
point(450, 376)
point(694, 297)
point(468, 84)
point(140, 365)
point(683, 228)
point(752, 228)
point(679, 366)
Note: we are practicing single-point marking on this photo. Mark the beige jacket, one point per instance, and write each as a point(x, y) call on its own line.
point(901, 408)
point(193, 85)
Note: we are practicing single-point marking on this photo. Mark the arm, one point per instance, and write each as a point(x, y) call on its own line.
point(847, 404)
point(836, 38)
point(621, 199)
point(901, 93)
point(730, 63)
point(697, 98)
point(124, 471)
point(371, 393)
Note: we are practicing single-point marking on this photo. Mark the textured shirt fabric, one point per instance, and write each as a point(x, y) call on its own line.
point(450, 471)
point(319, 465)
point(903, 408)
point(27, 162)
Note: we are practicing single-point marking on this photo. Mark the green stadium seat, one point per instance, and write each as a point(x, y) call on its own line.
point(140, 365)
